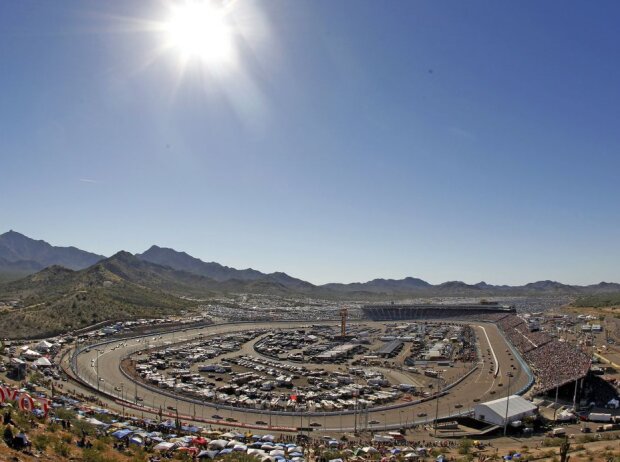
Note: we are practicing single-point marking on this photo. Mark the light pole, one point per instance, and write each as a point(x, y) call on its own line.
point(555, 407)
point(437, 405)
point(355, 413)
point(77, 346)
point(507, 403)
point(97, 369)
point(176, 396)
point(123, 398)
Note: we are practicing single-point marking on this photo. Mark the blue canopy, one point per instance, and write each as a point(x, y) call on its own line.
point(136, 440)
point(190, 428)
point(120, 434)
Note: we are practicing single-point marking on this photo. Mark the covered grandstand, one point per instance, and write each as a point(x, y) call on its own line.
point(555, 363)
point(401, 312)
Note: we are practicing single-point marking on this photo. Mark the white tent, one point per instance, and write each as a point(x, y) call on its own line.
point(163, 446)
point(513, 407)
point(93, 421)
point(43, 345)
point(565, 416)
point(31, 354)
point(42, 362)
point(218, 444)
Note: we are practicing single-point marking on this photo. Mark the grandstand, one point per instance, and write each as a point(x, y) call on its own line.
point(554, 363)
point(393, 312)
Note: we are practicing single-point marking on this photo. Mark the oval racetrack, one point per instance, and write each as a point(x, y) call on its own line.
point(479, 385)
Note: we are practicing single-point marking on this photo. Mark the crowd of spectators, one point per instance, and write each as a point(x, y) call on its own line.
point(557, 363)
point(172, 439)
point(553, 362)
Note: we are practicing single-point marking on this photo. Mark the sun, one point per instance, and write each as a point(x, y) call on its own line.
point(198, 31)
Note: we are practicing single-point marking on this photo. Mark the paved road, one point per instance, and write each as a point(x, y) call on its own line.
point(483, 384)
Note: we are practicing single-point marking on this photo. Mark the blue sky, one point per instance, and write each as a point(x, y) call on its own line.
point(351, 139)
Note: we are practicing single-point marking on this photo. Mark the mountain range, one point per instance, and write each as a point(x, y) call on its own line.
point(47, 289)
point(169, 270)
point(20, 254)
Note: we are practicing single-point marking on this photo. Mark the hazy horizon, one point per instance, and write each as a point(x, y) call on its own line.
point(334, 141)
point(207, 260)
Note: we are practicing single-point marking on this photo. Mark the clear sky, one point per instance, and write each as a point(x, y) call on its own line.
point(337, 140)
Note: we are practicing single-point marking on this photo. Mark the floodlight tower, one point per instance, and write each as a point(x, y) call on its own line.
point(343, 322)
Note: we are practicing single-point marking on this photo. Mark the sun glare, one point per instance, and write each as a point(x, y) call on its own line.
point(198, 30)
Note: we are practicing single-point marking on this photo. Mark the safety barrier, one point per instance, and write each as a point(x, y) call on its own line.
point(159, 391)
point(524, 365)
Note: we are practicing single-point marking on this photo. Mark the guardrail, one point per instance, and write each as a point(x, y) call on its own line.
point(524, 365)
point(443, 392)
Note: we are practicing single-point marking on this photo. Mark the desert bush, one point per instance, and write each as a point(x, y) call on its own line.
point(62, 449)
point(41, 441)
point(93, 455)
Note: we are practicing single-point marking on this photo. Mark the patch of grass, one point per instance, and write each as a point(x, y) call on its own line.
point(598, 300)
point(93, 455)
point(465, 446)
point(64, 414)
point(41, 441)
point(552, 442)
point(62, 449)
point(585, 439)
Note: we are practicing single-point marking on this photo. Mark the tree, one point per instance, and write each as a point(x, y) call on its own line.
point(564, 447)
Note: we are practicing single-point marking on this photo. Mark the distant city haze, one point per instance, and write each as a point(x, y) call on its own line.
point(335, 141)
